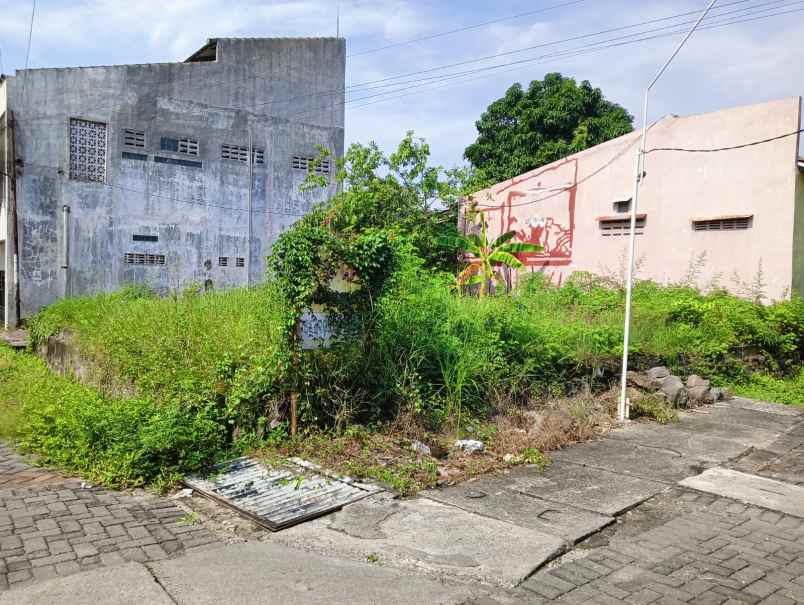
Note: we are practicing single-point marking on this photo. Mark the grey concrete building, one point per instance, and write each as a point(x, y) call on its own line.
point(140, 173)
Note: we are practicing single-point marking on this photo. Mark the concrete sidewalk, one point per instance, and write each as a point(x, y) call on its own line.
point(703, 511)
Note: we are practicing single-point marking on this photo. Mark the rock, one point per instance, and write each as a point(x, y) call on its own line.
point(642, 381)
point(184, 493)
point(717, 394)
point(512, 459)
point(695, 381)
point(420, 448)
point(470, 446)
point(673, 387)
point(699, 394)
point(658, 373)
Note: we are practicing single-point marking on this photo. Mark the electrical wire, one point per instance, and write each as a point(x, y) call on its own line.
point(717, 149)
point(463, 29)
point(30, 33)
point(669, 149)
point(569, 53)
point(388, 81)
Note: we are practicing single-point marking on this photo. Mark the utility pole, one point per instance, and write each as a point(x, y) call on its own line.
point(622, 409)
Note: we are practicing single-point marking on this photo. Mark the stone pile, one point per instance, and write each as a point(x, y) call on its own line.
point(660, 381)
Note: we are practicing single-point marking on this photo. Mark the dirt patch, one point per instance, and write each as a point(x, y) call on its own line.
point(406, 458)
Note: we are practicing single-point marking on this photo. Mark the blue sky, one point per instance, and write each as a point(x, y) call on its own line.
point(735, 65)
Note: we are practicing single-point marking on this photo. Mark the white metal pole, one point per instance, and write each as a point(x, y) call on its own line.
point(622, 408)
point(250, 203)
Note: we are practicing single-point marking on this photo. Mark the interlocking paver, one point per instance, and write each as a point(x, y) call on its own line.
point(50, 525)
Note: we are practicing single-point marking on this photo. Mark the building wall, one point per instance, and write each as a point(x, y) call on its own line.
point(559, 206)
point(198, 213)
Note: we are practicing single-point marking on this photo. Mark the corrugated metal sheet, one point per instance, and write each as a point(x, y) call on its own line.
point(282, 497)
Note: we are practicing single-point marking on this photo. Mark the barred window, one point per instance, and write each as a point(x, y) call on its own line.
point(223, 261)
point(240, 261)
point(87, 150)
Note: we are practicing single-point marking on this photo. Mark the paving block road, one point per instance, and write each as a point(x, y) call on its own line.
point(705, 511)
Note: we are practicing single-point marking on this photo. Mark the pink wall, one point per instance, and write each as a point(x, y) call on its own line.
point(559, 205)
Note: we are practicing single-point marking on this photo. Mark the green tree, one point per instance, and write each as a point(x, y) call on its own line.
point(552, 119)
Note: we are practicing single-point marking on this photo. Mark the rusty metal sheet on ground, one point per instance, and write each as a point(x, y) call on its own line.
point(278, 498)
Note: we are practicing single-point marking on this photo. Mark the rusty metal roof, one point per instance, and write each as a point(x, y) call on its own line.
point(278, 498)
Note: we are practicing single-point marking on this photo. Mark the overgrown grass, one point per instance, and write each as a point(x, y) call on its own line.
point(118, 442)
point(769, 388)
point(208, 374)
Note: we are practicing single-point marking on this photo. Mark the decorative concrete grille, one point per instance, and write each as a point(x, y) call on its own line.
point(134, 138)
point(302, 163)
point(240, 262)
point(240, 153)
point(223, 261)
point(87, 150)
point(135, 258)
point(188, 146)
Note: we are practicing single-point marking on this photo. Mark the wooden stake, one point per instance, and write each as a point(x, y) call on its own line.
point(294, 398)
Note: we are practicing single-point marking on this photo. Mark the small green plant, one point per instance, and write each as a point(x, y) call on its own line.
point(654, 407)
point(372, 558)
point(535, 457)
point(191, 518)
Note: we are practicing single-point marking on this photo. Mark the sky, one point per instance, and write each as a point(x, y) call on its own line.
point(737, 64)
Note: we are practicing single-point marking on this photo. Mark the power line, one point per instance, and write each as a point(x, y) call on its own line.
point(568, 53)
point(717, 149)
point(30, 33)
point(625, 149)
point(464, 29)
point(388, 81)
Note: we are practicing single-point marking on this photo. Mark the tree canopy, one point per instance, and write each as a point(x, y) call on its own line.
point(552, 119)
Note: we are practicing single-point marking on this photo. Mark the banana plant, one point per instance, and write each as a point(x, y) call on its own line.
point(487, 258)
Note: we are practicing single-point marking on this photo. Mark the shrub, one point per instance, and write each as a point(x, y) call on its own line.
point(119, 442)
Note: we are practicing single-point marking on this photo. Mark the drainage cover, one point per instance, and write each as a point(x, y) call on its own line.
point(278, 498)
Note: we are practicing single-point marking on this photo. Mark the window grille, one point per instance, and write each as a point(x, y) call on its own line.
point(259, 156)
point(223, 261)
point(135, 258)
point(305, 163)
point(240, 262)
point(87, 151)
point(733, 223)
point(617, 227)
point(134, 138)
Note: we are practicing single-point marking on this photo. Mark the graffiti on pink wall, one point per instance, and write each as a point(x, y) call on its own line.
point(540, 207)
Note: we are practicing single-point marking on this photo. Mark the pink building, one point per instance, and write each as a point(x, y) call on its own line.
point(717, 218)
